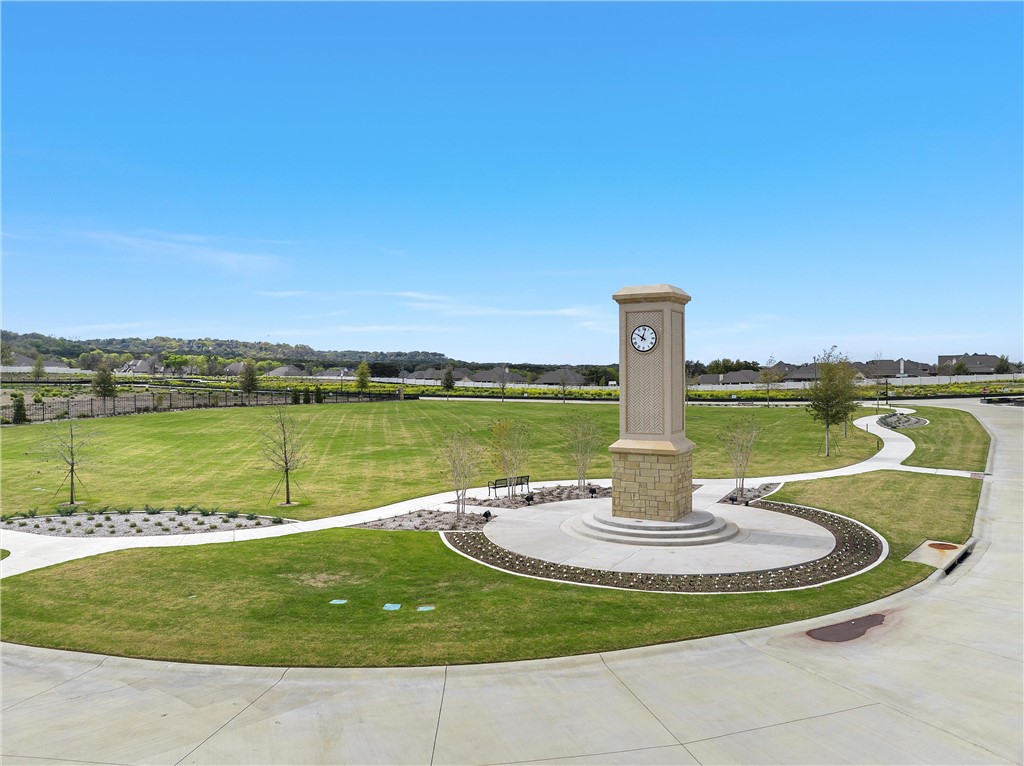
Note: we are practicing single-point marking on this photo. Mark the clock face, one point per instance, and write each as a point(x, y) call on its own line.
point(643, 338)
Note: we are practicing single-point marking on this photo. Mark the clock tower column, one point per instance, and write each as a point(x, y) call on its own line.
point(652, 467)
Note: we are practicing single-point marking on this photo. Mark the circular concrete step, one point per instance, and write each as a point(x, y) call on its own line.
point(696, 528)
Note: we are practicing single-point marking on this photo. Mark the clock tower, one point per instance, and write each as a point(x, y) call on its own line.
point(652, 471)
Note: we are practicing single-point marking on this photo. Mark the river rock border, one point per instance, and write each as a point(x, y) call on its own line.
point(856, 549)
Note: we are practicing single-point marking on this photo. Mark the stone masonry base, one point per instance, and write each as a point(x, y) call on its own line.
point(656, 487)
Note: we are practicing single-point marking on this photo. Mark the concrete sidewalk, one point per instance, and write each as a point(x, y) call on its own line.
point(939, 681)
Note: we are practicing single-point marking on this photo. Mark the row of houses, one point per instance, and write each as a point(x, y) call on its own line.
point(962, 364)
point(495, 376)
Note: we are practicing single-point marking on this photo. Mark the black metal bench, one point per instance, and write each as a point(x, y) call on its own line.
point(517, 481)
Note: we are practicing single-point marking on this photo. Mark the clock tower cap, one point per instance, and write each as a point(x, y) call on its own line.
point(651, 293)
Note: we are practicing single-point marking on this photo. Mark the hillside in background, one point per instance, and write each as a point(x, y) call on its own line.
point(31, 343)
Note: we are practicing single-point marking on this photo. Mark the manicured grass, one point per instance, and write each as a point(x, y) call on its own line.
point(952, 439)
point(4, 553)
point(906, 508)
point(359, 456)
point(266, 602)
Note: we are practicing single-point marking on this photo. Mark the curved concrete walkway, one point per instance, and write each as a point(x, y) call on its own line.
point(939, 681)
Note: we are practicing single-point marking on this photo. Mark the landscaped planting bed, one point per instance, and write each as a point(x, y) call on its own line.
point(107, 522)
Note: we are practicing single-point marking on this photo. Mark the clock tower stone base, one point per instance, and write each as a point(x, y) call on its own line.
point(651, 481)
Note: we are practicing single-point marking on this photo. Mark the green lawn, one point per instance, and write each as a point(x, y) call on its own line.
point(4, 553)
point(360, 455)
point(952, 439)
point(266, 602)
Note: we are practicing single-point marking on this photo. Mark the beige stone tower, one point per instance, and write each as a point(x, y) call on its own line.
point(652, 467)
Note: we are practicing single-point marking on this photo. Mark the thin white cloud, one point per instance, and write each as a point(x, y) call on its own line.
point(192, 247)
point(417, 296)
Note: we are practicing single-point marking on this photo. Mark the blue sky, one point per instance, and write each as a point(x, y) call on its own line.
point(478, 179)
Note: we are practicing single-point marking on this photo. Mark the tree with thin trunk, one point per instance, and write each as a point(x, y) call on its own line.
point(583, 438)
point(509, 440)
point(283, 448)
point(1003, 365)
point(247, 379)
point(448, 381)
point(771, 378)
point(459, 457)
point(103, 383)
point(6, 355)
point(833, 396)
point(363, 376)
point(738, 437)
point(38, 368)
point(503, 379)
point(65, 444)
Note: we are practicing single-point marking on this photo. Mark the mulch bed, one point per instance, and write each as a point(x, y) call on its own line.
point(750, 494)
point(856, 548)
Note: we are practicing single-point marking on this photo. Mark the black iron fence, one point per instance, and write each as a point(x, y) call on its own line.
point(169, 401)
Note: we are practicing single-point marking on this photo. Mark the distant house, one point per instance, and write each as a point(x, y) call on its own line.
point(287, 371)
point(809, 372)
point(141, 367)
point(497, 375)
point(20, 360)
point(428, 374)
point(562, 377)
point(709, 379)
point(893, 368)
point(335, 372)
point(740, 376)
point(977, 364)
point(235, 368)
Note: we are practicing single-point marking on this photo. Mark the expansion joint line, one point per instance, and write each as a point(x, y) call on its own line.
point(440, 707)
point(642, 703)
point(57, 686)
point(220, 728)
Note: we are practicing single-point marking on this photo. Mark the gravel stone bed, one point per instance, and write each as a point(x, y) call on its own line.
point(134, 524)
point(750, 494)
point(898, 420)
point(548, 495)
point(856, 548)
point(427, 521)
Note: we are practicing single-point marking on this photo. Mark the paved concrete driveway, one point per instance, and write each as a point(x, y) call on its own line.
point(938, 682)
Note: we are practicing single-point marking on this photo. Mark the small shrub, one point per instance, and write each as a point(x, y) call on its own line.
point(145, 518)
point(181, 511)
point(124, 511)
point(90, 531)
point(51, 529)
point(32, 513)
point(232, 514)
point(138, 531)
point(78, 523)
point(22, 523)
point(35, 526)
point(89, 518)
point(132, 524)
point(205, 512)
point(106, 518)
point(259, 523)
point(66, 511)
point(277, 520)
point(200, 522)
point(112, 531)
point(251, 516)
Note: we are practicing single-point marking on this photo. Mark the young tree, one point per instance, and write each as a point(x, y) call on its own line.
point(103, 383)
point(65, 444)
point(508, 449)
point(770, 377)
point(6, 355)
point(459, 457)
point(283, 448)
point(833, 396)
point(363, 376)
point(318, 394)
point(247, 377)
point(1003, 366)
point(738, 438)
point(502, 379)
point(18, 412)
point(448, 381)
point(38, 368)
point(295, 396)
point(583, 438)
point(960, 367)
point(564, 381)
point(307, 396)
